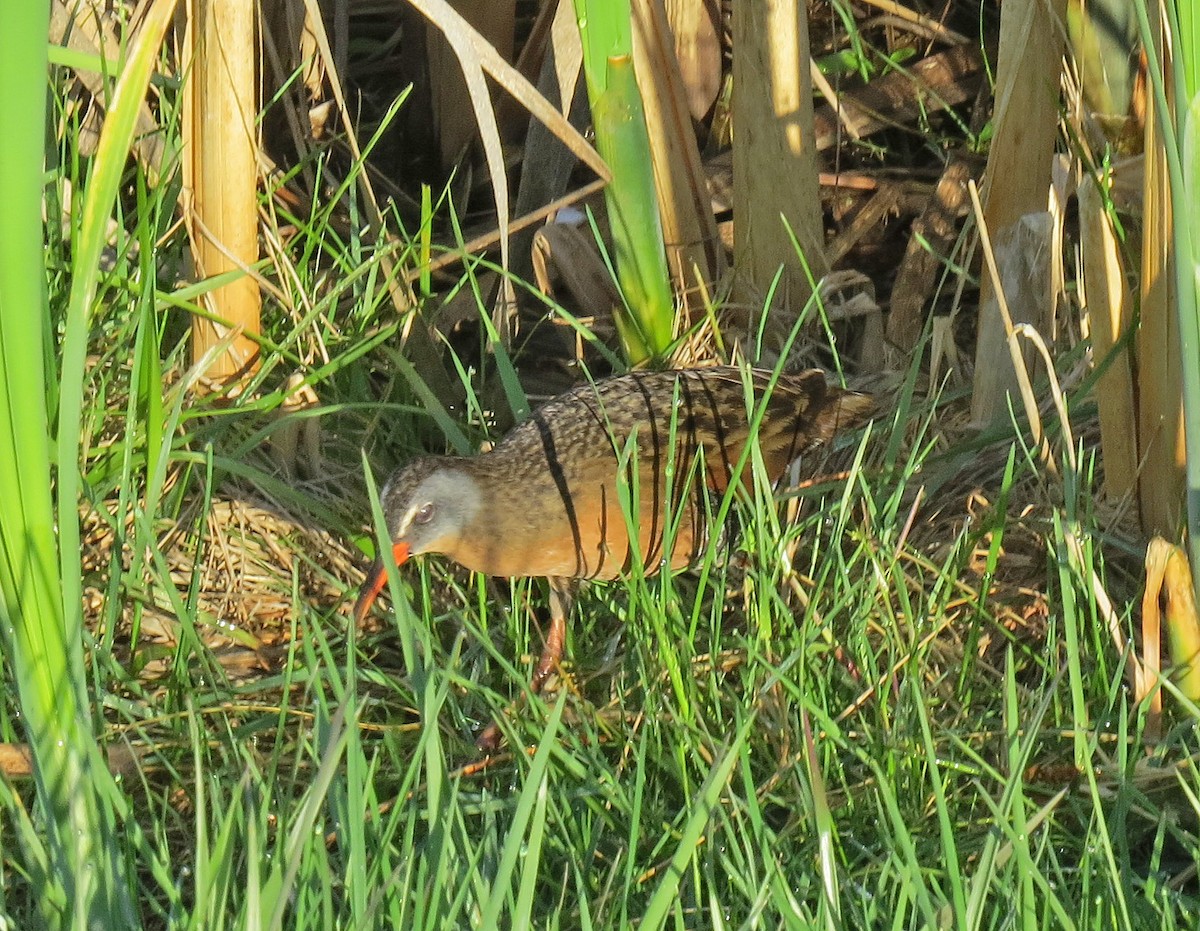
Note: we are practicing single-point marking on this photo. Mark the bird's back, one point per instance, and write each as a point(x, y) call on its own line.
point(573, 462)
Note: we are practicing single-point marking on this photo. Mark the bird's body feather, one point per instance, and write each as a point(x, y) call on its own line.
point(552, 489)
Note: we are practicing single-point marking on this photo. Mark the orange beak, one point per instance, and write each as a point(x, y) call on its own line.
point(376, 578)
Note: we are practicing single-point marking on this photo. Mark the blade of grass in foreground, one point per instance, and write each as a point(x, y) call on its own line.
point(1178, 125)
point(645, 322)
point(665, 897)
point(44, 623)
point(81, 879)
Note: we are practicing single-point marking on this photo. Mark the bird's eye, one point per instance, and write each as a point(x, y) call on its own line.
point(424, 514)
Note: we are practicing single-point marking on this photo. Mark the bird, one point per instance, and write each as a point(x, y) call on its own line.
point(547, 500)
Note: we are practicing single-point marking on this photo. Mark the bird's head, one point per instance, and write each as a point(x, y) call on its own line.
point(427, 505)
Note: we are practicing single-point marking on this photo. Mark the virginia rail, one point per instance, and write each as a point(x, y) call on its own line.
point(546, 501)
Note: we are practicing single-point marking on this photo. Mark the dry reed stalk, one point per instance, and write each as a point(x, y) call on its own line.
point(930, 246)
point(1018, 174)
point(694, 251)
point(455, 125)
point(1109, 307)
point(1160, 379)
point(221, 169)
point(1009, 331)
point(775, 167)
point(696, 26)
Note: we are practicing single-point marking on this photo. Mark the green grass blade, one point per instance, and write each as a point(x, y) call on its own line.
point(529, 818)
point(41, 589)
point(112, 150)
point(665, 897)
point(646, 322)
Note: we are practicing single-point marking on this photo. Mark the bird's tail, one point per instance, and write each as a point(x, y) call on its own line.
point(841, 410)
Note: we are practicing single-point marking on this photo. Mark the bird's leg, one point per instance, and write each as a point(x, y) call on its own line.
point(561, 597)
